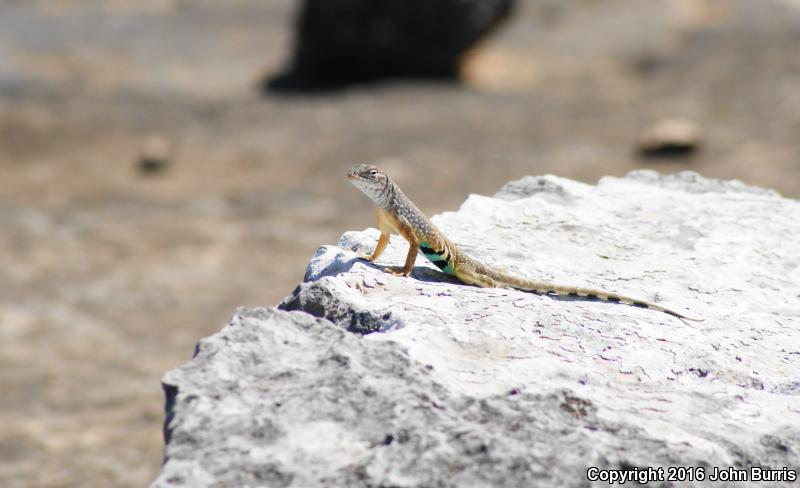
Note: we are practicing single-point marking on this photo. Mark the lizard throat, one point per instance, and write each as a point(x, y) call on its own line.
point(381, 193)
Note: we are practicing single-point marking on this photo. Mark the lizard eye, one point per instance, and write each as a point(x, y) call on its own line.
point(373, 172)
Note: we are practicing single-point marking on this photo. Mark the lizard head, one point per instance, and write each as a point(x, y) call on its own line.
point(373, 182)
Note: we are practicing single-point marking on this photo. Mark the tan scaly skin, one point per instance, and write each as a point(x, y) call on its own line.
point(397, 214)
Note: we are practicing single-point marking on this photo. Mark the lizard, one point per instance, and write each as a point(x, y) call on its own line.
point(398, 214)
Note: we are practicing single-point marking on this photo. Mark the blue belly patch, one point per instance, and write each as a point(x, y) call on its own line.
point(439, 259)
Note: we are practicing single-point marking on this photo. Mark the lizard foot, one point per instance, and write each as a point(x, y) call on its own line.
point(398, 271)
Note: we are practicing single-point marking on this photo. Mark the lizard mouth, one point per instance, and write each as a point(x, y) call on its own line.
point(356, 177)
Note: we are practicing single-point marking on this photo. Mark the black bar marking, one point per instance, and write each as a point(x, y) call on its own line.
point(440, 263)
point(427, 250)
point(613, 299)
point(640, 305)
point(592, 295)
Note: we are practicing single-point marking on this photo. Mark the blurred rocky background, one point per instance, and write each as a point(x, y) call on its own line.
point(149, 184)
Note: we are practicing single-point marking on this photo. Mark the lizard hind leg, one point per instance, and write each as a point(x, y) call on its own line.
point(473, 277)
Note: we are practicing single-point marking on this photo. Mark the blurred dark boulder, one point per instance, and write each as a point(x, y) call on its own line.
point(339, 42)
point(156, 155)
point(674, 138)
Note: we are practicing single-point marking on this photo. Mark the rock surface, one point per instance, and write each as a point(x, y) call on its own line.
point(449, 385)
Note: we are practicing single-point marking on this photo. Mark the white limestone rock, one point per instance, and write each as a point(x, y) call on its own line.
point(454, 385)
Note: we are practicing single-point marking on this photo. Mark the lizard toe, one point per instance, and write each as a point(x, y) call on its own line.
point(398, 271)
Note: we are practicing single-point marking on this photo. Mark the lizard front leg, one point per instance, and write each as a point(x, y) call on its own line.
point(407, 231)
point(383, 240)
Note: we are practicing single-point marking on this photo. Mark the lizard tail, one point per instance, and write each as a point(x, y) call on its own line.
point(507, 279)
